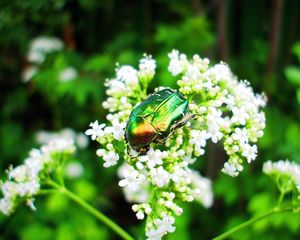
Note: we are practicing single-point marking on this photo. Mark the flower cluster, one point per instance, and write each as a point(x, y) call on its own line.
point(37, 53)
point(286, 173)
point(39, 49)
point(160, 227)
point(42, 46)
point(69, 134)
point(67, 74)
point(135, 186)
point(225, 110)
point(128, 83)
point(73, 169)
point(25, 181)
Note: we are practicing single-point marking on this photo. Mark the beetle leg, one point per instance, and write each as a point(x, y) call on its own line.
point(180, 123)
point(160, 141)
point(144, 150)
point(128, 151)
point(139, 152)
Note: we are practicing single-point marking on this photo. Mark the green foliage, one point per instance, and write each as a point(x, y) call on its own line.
point(190, 36)
point(292, 73)
point(97, 34)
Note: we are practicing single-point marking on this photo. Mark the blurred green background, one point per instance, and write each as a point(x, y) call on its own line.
point(258, 39)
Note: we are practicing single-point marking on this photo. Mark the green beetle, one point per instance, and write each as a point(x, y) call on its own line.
point(154, 119)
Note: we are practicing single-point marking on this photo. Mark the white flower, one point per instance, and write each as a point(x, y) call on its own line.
point(119, 88)
point(110, 159)
point(96, 131)
point(162, 227)
point(44, 137)
point(221, 72)
point(141, 210)
point(24, 180)
point(240, 115)
point(174, 66)
point(30, 204)
point(260, 100)
point(140, 215)
point(214, 122)
point(192, 74)
point(181, 174)
point(147, 67)
point(58, 145)
point(118, 129)
point(198, 139)
point(35, 162)
point(6, 206)
point(8, 189)
point(284, 168)
point(153, 158)
point(74, 170)
point(203, 189)
point(82, 140)
point(128, 75)
point(177, 62)
point(41, 46)
point(28, 188)
point(230, 169)
point(29, 73)
point(137, 191)
point(67, 74)
point(240, 135)
point(132, 179)
point(36, 57)
point(229, 100)
point(159, 176)
point(249, 152)
point(19, 174)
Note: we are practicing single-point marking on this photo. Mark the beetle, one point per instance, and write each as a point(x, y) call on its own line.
point(155, 118)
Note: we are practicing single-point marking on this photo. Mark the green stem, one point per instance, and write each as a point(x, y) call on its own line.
point(282, 193)
point(46, 191)
point(59, 175)
point(100, 216)
point(251, 221)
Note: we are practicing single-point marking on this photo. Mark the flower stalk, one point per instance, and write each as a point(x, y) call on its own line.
point(93, 211)
point(248, 223)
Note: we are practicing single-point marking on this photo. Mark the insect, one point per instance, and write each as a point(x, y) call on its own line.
point(155, 118)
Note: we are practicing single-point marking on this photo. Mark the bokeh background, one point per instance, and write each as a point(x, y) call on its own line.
point(258, 39)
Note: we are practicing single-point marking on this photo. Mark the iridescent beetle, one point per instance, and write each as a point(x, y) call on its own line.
point(154, 119)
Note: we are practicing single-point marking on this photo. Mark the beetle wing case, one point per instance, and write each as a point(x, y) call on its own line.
point(154, 119)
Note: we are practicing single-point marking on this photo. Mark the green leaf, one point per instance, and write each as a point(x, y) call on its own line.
point(85, 189)
point(296, 50)
point(190, 36)
point(260, 204)
point(182, 225)
point(221, 187)
point(293, 74)
point(65, 231)
point(292, 133)
point(36, 231)
point(89, 5)
point(298, 95)
point(98, 63)
point(56, 203)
